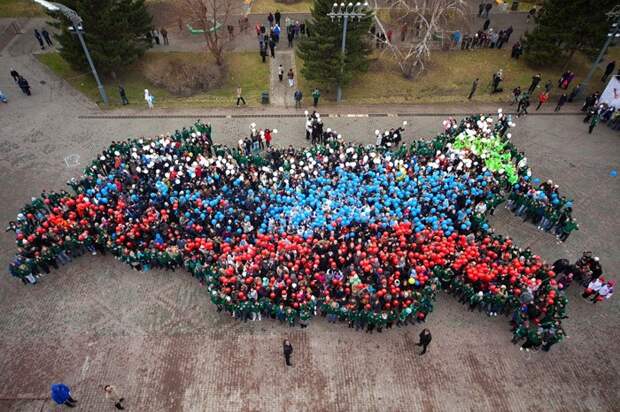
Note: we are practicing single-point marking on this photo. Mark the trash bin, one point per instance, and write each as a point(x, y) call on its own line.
point(515, 5)
point(264, 97)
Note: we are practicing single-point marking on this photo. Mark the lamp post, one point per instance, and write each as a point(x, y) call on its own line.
point(345, 11)
point(76, 22)
point(614, 32)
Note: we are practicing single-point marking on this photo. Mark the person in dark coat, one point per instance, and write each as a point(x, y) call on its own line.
point(425, 340)
point(608, 70)
point(486, 25)
point(46, 36)
point(23, 84)
point(288, 351)
point(14, 75)
point(561, 102)
point(535, 80)
point(277, 16)
point(123, 94)
point(39, 38)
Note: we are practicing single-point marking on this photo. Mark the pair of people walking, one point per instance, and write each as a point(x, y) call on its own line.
point(61, 395)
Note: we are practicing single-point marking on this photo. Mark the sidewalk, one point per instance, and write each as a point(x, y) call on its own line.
point(332, 110)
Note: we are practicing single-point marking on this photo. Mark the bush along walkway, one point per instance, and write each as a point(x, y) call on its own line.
point(280, 93)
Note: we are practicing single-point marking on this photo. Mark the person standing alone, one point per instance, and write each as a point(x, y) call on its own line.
point(239, 96)
point(425, 340)
point(291, 78)
point(316, 94)
point(111, 394)
point(474, 86)
point(280, 72)
point(288, 351)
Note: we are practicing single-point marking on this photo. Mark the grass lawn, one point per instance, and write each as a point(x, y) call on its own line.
point(252, 81)
point(266, 6)
point(20, 8)
point(449, 78)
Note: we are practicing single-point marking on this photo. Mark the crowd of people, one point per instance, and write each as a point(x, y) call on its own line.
point(365, 235)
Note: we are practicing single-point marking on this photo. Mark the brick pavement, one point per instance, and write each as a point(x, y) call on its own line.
point(158, 338)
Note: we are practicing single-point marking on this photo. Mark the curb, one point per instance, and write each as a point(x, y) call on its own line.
point(293, 115)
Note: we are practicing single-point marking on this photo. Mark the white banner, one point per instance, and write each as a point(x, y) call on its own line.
point(611, 94)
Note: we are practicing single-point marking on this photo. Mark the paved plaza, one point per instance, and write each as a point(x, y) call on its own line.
point(156, 336)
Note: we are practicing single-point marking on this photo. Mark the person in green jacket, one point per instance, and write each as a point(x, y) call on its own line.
point(315, 97)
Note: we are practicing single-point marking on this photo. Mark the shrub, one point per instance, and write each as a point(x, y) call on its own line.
point(183, 77)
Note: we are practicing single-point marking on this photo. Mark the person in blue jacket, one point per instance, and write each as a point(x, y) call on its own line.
point(61, 394)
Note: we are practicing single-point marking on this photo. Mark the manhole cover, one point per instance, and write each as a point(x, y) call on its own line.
point(72, 160)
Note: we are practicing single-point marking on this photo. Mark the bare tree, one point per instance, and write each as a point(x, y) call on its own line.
point(211, 16)
point(428, 19)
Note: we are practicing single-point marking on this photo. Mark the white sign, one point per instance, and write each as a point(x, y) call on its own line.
point(611, 94)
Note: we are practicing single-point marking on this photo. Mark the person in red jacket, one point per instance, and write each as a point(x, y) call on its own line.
point(542, 99)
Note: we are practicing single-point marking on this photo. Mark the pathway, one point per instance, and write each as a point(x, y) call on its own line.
point(281, 94)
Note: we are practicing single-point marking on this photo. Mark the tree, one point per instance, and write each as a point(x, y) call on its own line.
point(429, 18)
point(211, 16)
point(565, 27)
point(321, 50)
point(114, 31)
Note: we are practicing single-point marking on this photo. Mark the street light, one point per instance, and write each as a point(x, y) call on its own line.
point(614, 33)
point(76, 21)
point(344, 11)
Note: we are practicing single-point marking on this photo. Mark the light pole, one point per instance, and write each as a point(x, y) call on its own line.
point(76, 21)
point(344, 11)
point(614, 32)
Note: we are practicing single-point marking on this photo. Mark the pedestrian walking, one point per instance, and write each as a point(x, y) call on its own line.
point(14, 75)
point(277, 17)
point(239, 96)
point(596, 117)
point(425, 340)
point(37, 35)
point(280, 72)
point(487, 9)
point(561, 102)
point(291, 78)
point(486, 25)
point(548, 86)
point(112, 394)
point(61, 394)
point(23, 84)
point(535, 80)
point(297, 96)
point(524, 103)
point(480, 9)
point(290, 36)
point(263, 51)
point(288, 351)
point(272, 46)
point(123, 94)
point(608, 70)
point(497, 79)
point(156, 37)
point(573, 94)
point(270, 19)
point(164, 35)
point(474, 86)
point(542, 99)
point(149, 98)
point(46, 36)
point(316, 94)
point(516, 92)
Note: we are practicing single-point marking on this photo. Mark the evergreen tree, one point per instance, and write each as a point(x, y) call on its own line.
point(321, 51)
point(114, 31)
point(565, 27)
